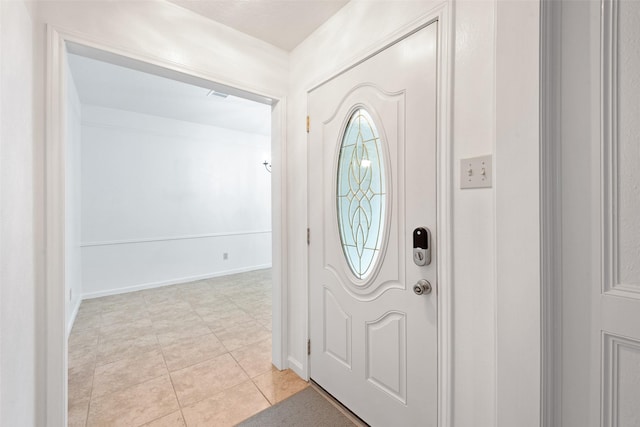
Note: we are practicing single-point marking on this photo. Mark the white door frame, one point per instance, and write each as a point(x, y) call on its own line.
point(54, 288)
point(444, 188)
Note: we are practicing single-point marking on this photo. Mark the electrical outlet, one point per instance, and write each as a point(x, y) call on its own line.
point(70, 294)
point(476, 172)
point(225, 256)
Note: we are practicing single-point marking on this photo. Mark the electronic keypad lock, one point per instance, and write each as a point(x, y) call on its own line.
point(422, 246)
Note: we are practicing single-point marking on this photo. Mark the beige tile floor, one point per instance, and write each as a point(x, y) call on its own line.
point(195, 354)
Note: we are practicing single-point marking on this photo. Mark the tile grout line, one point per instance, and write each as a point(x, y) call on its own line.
point(173, 386)
point(93, 375)
point(93, 380)
point(116, 305)
point(165, 366)
point(175, 394)
point(252, 381)
point(180, 405)
point(95, 366)
point(261, 392)
point(137, 355)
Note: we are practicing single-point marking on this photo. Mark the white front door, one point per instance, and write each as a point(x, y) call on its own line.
point(372, 162)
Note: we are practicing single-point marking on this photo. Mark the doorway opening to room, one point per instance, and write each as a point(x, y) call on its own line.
point(169, 200)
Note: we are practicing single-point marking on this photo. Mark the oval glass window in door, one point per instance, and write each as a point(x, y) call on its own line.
point(361, 193)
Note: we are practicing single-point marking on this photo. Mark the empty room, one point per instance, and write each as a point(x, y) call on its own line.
point(168, 231)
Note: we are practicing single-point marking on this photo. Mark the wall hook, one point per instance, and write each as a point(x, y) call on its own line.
point(267, 166)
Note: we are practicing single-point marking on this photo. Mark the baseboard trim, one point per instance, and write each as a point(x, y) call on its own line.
point(296, 367)
point(72, 319)
point(176, 281)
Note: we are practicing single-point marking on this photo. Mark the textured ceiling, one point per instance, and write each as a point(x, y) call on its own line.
point(108, 85)
point(282, 23)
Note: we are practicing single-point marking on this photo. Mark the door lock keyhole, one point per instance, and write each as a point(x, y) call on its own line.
point(423, 287)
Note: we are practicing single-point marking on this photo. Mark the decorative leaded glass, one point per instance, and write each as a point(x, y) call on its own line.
point(361, 193)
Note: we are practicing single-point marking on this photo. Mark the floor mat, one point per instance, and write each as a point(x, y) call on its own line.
point(307, 408)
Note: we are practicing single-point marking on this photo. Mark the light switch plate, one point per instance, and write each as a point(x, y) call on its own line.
point(476, 172)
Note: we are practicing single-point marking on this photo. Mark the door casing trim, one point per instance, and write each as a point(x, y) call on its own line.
point(55, 342)
point(443, 16)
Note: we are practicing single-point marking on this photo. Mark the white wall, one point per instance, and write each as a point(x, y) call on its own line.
point(474, 117)
point(474, 227)
point(517, 209)
point(18, 345)
point(162, 30)
point(163, 200)
point(73, 255)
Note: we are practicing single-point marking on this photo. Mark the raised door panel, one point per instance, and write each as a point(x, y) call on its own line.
point(621, 372)
point(336, 330)
point(621, 130)
point(386, 354)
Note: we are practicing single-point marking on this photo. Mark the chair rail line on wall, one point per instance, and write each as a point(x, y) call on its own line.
point(169, 238)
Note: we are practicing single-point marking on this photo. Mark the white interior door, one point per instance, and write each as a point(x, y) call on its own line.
point(600, 341)
point(372, 163)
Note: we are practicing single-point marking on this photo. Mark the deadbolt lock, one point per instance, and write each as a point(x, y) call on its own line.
point(422, 246)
